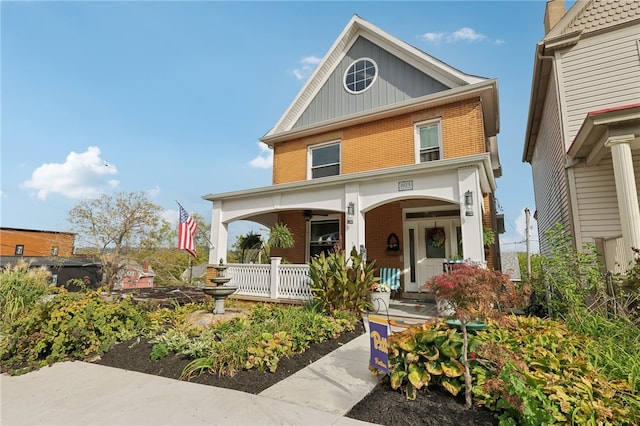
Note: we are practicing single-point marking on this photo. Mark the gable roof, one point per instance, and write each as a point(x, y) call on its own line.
point(584, 18)
point(356, 28)
point(593, 15)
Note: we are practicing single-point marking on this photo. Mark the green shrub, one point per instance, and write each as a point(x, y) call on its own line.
point(338, 284)
point(21, 287)
point(69, 326)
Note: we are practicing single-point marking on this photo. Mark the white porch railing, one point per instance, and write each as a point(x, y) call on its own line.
point(274, 281)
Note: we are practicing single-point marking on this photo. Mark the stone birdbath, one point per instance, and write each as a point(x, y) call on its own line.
point(219, 291)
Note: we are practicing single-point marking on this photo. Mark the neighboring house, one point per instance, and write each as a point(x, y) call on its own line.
point(583, 130)
point(51, 249)
point(134, 275)
point(385, 149)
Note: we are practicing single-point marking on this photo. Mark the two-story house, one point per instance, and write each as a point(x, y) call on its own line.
point(386, 149)
point(583, 130)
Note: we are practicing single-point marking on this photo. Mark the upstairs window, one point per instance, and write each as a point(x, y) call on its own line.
point(19, 250)
point(360, 75)
point(325, 160)
point(428, 141)
point(54, 251)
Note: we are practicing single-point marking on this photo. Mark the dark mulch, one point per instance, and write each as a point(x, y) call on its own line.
point(382, 406)
point(134, 355)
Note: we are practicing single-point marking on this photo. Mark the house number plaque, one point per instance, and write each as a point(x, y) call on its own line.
point(405, 185)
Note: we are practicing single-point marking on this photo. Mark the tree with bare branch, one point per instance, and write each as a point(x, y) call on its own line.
point(112, 226)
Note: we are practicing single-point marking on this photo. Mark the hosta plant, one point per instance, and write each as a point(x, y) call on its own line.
point(535, 371)
point(429, 354)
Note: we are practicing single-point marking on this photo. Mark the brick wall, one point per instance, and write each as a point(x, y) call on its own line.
point(376, 236)
point(297, 225)
point(386, 143)
point(36, 243)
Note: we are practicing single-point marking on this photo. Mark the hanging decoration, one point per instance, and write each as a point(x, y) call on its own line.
point(437, 237)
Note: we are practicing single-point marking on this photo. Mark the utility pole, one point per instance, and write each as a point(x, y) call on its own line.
point(527, 215)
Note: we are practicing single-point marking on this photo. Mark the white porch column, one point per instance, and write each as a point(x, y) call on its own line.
point(354, 232)
point(472, 243)
point(219, 235)
point(626, 191)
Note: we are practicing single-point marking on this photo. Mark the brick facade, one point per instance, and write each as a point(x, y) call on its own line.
point(36, 243)
point(386, 143)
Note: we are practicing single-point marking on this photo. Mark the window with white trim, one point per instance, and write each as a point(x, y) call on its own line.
point(428, 139)
point(360, 75)
point(324, 160)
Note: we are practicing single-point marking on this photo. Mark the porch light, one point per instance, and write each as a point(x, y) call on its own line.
point(350, 212)
point(468, 203)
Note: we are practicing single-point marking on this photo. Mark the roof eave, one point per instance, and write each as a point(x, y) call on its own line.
point(488, 182)
point(486, 90)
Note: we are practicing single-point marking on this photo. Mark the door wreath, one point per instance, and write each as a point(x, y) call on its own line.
point(437, 237)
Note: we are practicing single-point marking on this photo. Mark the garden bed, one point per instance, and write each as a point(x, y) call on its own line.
point(382, 406)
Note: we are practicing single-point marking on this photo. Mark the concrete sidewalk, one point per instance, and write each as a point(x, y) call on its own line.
point(79, 393)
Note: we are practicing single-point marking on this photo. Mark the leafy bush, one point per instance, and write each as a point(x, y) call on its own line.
point(535, 371)
point(69, 326)
point(529, 371)
point(341, 285)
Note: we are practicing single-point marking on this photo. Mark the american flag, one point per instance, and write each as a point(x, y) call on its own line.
point(186, 230)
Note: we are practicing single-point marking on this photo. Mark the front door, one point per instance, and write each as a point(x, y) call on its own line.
point(430, 243)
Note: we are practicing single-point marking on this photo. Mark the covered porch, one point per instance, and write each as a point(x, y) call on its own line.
point(412, 218)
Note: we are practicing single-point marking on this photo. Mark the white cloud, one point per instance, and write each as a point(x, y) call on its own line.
point(153, 191)
point(517, 242)
point(462, 34)
point(83, 175)
point(171, 216)
point(433, 37)
point(467, 34)
point(307, 65)
point(265, 159)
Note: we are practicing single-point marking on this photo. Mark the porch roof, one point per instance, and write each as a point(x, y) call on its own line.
point(483, 161)
point(598, 126)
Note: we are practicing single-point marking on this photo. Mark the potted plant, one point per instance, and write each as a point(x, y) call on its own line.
point(379, 296)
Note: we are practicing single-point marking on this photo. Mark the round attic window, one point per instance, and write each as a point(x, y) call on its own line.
point(360, 75)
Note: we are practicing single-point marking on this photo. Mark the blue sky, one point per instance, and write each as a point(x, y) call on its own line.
point(171, 97)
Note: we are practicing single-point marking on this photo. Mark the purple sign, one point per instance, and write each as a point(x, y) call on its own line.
point(378, 332)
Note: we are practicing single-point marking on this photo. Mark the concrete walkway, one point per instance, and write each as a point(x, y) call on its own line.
point(83, 394)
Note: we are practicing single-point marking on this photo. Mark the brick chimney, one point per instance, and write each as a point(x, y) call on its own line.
point(145, 267)
point(554, 11)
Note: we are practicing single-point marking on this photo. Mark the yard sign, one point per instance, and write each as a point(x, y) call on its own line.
point(378, 332)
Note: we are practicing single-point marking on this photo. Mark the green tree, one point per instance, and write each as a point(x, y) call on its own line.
point(112, 227)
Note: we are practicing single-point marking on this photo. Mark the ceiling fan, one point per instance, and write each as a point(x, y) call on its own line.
point(308, 214)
